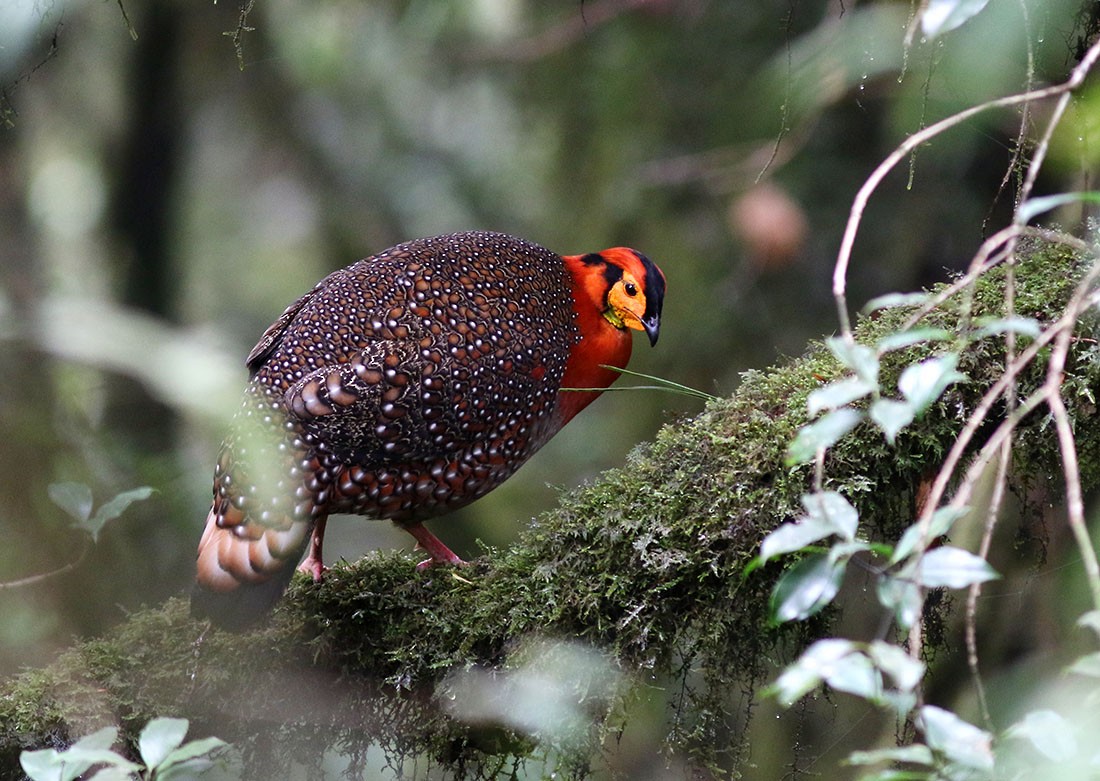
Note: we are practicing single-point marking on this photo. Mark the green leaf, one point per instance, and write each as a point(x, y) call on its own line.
point(941, 16)
point(115, 508)
point(1026, 326)
point(857, 357)
point(891, 300)
point(810, 669)
point(938, 525)
point(73, 498)
point(900, 702)
point(187, 770)
point(901, 775)
point(100, 739)
point(193, 749)
point(1050, 734)
point(95, 755)
point(880, 549)
point(160, 738)
point(1033, 207)
point(915, 755)
point(842, 551)
point(806, 587)
point(821, 433)
point(891, 416)
point(1090, 620)
point(901, 596)
point(956, 739)
point(793, 536)
point(952, 567)
point(904, 339)
point(837, 394)
point(924, 382)
point(827, 513)
point(856, 675)
point(833, 509)
point(73, 762)
point(42, 765)
point(905, 671)
point(112, 773)
point(78, 760)
point(1089, 665)
point(793, 683)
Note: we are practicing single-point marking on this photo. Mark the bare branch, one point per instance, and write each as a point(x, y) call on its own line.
point(859, 204)
point(32, 579)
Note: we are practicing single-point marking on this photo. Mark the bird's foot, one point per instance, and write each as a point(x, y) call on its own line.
point(314, 568)
point(434, 547)
point(313, 564)
point(452, 560)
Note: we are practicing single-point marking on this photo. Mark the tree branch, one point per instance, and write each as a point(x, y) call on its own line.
point(646, 566)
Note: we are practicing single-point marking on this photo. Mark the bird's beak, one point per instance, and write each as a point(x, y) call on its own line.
point(652, 327)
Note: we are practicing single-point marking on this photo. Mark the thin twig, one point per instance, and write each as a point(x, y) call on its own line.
point(985, 260)
point(995, 502)
point(126, 20)
point(1065, 323)
point(1002, 437)
point(785, 108)
point(1075, 507)
point(32, 579)
point(859, 204)
point(237, 34)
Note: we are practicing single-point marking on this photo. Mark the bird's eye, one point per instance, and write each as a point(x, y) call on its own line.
point(631, 289)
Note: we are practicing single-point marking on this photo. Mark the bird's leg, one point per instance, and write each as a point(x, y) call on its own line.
point(433, 546)
point(314, 564)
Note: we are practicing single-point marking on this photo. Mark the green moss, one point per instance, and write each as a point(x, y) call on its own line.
point(645, 564)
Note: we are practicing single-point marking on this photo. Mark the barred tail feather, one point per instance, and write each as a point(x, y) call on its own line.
point(243, 569)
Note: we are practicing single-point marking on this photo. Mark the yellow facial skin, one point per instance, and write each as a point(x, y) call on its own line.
point(626, 303)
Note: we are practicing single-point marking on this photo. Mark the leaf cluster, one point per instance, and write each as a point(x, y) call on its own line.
point(163, 753)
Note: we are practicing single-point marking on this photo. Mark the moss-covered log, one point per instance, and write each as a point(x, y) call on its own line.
point(646, 565)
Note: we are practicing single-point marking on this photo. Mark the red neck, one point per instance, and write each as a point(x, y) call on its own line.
point(600, 342)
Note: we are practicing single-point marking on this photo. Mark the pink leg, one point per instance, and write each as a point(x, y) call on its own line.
point(440, 553)
point(314, 564)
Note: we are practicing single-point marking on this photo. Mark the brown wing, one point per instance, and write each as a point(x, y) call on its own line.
point(428, 349)
point(367, 409)
point(274, 333)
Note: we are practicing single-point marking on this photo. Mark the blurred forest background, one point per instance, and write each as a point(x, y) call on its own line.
point(173, 174)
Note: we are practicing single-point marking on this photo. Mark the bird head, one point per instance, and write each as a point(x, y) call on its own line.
point(626, 286)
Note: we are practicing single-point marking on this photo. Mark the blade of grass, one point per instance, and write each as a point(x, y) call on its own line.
point(662, 385)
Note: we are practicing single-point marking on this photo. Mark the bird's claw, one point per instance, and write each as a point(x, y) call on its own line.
point(428, 563)
point(315, 568)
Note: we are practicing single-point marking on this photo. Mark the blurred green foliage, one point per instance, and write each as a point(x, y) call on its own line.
point(159, 206)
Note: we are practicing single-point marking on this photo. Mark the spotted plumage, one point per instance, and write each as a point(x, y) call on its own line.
point(407, 385)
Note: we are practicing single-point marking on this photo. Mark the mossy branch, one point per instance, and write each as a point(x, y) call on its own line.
point(647, 565)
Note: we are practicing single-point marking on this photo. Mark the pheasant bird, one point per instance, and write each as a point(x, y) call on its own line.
point(405, 386)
